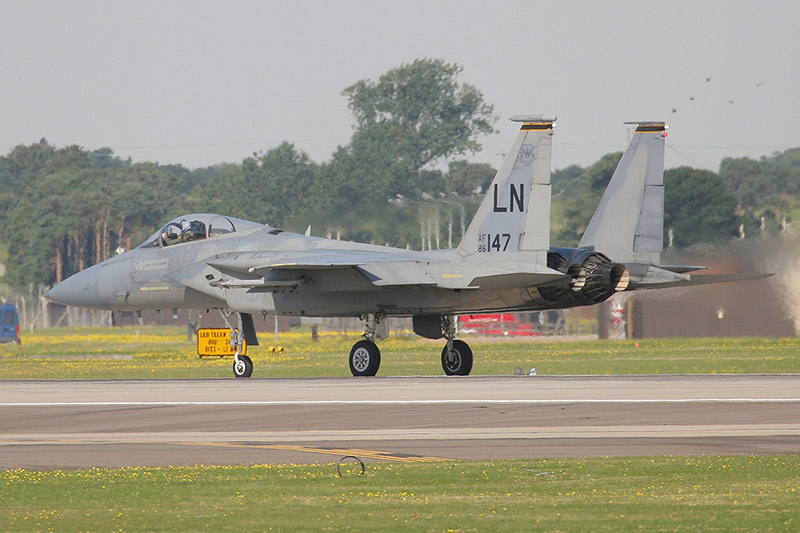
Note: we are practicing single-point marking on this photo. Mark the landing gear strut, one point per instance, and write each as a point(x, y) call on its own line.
point(365, 357)
point(456, 354)
point(242, 365)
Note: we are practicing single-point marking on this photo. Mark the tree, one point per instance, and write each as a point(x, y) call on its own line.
point(466, 179)
point(216, 189)
point(17, 172)
point(766, 190)
point(412, 117)
point(697, 207)
point(579, 197)
point(139, 199)
point(363, 172)
point(275, 185)
point(565, 179)
point(428, 113)
point(30, 243)
point(68, 208)
point(104, 157)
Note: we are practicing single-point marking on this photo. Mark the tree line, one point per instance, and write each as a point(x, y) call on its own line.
point(402, 180)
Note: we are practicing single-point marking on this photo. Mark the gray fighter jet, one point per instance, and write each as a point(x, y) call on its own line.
point(504, 262)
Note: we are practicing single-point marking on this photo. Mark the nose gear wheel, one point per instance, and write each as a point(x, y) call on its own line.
point(242, 367)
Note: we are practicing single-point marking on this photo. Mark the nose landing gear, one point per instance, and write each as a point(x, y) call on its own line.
point(242, 365)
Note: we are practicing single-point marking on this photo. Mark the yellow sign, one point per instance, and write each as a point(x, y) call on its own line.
point(216, 341)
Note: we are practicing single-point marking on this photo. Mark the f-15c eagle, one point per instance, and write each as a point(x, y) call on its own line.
point(504, 262)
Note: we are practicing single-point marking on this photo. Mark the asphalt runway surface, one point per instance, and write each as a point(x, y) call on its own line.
point(81, 424)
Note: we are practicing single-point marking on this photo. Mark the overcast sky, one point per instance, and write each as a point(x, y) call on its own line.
point(198, 83)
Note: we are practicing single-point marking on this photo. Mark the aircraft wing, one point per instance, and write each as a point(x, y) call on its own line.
point(257, 269)
point(381, 269)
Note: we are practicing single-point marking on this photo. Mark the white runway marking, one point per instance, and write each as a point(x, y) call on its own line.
point(399, 402)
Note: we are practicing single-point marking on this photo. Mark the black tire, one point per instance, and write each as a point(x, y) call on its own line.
point(245, 367)
point(460, 361)
point(365, 358)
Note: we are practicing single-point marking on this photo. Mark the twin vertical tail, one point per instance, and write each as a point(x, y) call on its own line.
point(628, 224)
point(512, 224)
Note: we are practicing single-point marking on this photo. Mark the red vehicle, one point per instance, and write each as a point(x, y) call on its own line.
point(506, 324)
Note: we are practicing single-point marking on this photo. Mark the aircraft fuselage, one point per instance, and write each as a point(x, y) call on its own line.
point(158, 278)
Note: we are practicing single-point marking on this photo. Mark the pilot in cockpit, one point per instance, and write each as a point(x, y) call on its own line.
point(192, 231)
point(185, 231)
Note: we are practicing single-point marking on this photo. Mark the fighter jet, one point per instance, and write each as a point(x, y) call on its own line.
point(503, 263)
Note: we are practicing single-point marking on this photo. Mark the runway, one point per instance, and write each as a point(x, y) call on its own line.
point(78, 424)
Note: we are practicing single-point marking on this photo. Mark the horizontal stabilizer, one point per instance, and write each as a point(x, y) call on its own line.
point(682, 269)
point(687, 280)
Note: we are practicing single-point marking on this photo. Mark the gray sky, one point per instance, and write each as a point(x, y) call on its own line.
point(199, 83)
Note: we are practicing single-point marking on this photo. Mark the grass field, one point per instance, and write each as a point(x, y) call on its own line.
point(741, 493)
point(165, 352)
point(758, 493)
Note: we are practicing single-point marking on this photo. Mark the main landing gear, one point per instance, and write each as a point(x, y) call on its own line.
point(456, 354)
point(365, 356)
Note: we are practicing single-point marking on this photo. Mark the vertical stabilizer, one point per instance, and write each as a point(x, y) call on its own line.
point(628, 224)
point(512, 223)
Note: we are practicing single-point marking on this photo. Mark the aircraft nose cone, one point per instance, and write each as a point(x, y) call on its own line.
point(79, 290)
point(60, 293)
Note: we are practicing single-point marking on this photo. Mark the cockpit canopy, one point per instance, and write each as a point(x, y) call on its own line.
point(197, 226)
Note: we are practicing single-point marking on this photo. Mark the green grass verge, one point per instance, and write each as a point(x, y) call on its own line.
point(742, 493)
point(165, 352)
